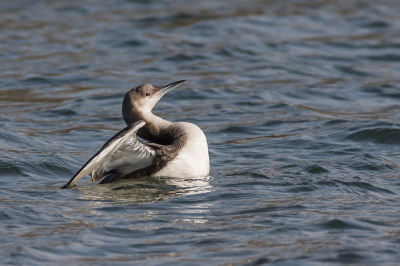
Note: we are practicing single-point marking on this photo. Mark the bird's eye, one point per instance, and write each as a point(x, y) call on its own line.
point(147, 93)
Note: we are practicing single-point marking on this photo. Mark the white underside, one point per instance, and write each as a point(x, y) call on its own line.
point(192, 161)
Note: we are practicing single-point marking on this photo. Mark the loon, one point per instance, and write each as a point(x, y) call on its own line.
point(176, 150)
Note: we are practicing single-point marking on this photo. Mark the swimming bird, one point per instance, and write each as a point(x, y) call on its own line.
point(173, 149)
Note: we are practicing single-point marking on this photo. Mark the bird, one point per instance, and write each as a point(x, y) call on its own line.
point(173, 149)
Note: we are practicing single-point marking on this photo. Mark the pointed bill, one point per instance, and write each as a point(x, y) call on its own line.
point(164, 89)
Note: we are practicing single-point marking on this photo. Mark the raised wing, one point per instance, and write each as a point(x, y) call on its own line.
point(122, 153)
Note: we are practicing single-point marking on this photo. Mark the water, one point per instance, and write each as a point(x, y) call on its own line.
point(300, 102)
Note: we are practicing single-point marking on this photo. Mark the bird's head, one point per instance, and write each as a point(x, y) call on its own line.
point(143, 98)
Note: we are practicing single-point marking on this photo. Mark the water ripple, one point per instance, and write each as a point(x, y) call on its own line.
point(299, 101)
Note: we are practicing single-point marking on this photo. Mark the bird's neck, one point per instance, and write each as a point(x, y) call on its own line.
point(155, 130)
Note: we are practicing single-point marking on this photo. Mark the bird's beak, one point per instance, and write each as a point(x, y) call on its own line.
point(164, 89)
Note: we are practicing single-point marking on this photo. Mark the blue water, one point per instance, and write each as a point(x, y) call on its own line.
point(299, 100)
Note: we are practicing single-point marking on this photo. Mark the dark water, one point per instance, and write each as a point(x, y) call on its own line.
point(300, 101)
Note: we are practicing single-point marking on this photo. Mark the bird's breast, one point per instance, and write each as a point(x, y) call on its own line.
point(192, 159)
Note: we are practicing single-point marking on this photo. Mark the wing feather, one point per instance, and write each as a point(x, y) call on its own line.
point(111, 155)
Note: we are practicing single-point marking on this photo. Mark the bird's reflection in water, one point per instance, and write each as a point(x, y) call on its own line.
point(144, 190)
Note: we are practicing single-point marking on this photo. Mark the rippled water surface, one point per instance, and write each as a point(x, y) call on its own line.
point(300, 102)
